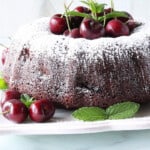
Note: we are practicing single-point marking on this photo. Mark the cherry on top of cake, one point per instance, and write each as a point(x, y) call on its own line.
point(93, 21)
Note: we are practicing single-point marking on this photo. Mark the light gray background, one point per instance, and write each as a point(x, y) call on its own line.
point(14, 13)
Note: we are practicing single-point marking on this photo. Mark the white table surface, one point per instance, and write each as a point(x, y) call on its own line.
point(121, 140)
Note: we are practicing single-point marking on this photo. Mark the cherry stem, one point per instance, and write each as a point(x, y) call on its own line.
point(66, 9)
point(104, 19)
point(5, 112)
point(112, 5)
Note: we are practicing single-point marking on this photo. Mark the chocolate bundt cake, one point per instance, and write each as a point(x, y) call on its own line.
point(79, 72)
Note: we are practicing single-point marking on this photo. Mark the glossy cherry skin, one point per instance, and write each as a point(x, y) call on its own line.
point(115, 28)
point(41, 110)
point(4, 54)
point(91, 29)
point(74, 33)
point(14, 110)
point(8, 95)
point(82, 9)
point(57, 24)
point(132, 24)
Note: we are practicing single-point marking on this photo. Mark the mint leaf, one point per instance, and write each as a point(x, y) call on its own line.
point(90, 114)
point(94, 6)
point(3, 84)
point(122, 110)
point(85, 2)
point(99, 7)
point(75, 13)
point(27, 100)
point(113, 14)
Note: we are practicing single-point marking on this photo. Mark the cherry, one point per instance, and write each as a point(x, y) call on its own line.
point(4, 54)
point(41, 110)
point(74, 33)
point(91, 29)
point(82, 9)
point(8, 95)
point(15, 111)
point(116, 28)
point(58, 24)
point(131, 24)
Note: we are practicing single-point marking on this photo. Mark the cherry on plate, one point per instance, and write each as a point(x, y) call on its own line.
point(8, 95)
point(41, 110)
point(14, 110)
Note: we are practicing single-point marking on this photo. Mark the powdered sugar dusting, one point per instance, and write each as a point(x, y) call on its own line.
point(106, 70)
point(37, 35)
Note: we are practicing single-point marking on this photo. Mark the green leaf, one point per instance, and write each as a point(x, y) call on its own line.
point(85, 2)
point(3, 84)
point(100, 7)
point(75, 13)
point(113, 14)
point(94, 6)
point(27, 100)
point(122, 110)
point(90, 114)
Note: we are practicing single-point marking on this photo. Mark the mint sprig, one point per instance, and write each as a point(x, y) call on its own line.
point(117, 111)
point(96, 9)
point(3, 84)
point(113, 14)
point(90, 114)
point(94, 6)
point(27, 100)
point(122, 110)
point(75, 13)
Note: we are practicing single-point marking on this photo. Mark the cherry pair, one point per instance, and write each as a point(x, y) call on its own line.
point(17, 111)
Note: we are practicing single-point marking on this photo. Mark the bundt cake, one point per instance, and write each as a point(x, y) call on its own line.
point(76, 72)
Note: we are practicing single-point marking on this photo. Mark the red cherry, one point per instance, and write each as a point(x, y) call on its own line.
point(41, 110)
point(131, 24)
point(66, 33)
point(82, 9)
point(4, 54)
point(116, 28)
point(15, 111)
point(8, 95)
point(74, 33)
point(58, 24)
point(91, 29)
